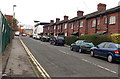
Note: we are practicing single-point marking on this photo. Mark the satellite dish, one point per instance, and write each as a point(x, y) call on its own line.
point(119, 3)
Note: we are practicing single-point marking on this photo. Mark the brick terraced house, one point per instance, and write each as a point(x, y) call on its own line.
point(101, 21)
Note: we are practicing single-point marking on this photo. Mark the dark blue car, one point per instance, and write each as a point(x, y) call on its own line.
point(108, 50)
point(57, 40)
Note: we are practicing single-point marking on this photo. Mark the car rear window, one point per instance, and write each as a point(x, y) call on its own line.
point(87, 42)
point(60, 38)
point(118, 45)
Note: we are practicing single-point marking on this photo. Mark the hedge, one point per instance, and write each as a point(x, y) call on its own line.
point(94, 38)
point(70, 39)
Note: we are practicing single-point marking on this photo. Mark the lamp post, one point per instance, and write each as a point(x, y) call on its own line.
point(14, 11)
point(13, 15)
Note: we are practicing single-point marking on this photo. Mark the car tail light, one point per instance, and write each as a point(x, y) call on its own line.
point(83, 46)
point(117, 52)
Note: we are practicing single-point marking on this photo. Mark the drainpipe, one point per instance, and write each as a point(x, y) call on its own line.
point(107, 24)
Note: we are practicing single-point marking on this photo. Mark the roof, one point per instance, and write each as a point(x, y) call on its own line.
point(88, 16)
point(96, 14)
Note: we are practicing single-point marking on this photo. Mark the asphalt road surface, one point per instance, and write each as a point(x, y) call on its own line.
point(59, 61)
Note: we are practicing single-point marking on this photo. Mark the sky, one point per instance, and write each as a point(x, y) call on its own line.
point(26, 11)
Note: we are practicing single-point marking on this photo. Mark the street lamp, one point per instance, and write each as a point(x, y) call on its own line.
point(13, 11)
point(13, 15)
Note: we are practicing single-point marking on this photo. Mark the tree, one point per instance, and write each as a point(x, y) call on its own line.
point(12, 22)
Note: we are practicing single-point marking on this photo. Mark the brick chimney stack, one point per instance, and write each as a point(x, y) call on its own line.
point(57, 20)
point(101, 7)
point(51, 21)
point(65, 17)
point(79, 13)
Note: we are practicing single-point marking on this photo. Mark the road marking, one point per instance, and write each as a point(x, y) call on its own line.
point(64, 52)
point(35, 62)
point(100, 66)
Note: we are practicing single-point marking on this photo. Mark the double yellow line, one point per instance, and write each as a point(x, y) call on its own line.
point(41, 70)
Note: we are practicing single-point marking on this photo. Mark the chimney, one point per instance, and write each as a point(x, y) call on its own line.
point(65, 17)
point(51, 21)
point(79, 13)
point(57, 20)
point(101, 7)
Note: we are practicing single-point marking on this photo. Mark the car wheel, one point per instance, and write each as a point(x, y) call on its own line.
point(110, 58)
point(80, 50)
point(71, 48)
point(92, 54)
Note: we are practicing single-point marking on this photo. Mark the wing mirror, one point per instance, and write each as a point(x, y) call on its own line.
point(97, 46)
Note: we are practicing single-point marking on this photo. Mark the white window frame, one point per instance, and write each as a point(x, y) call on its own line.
point(65, 34)
point(54, 27)
point(105, 20)
point(65, 27)
point(72, 26)
point(98, 22)
point(112, 20)
point(81, 24)
point(93, 23)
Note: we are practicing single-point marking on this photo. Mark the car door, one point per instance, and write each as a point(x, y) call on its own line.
point(99, 49)
point(104, 51)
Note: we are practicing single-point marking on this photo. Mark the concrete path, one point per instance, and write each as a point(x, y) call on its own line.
point(18, 64)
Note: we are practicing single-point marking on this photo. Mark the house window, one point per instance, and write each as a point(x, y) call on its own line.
point(58, 27)
point(54, 27)
point(93, 23)
point(65, 34)
point(105, 20)
point(98, 22)
point(65, 27)
point(72, 26)
point(81, 24)
point(112, 20)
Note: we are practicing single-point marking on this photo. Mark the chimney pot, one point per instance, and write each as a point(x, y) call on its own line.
point(51, 21)
point(57, 20)
point(65, 17)
point(79, 13)
point(101, 7)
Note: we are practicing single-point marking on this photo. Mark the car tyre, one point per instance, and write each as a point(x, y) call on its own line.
point(71, 48)
point(92, 54)
point(110, 58)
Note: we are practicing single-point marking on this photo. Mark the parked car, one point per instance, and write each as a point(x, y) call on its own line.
point(34, 36)
point(81, 46)
point(24, 34)
point(38, 37)
point(57, 40)
point(108, 50)
point(30, 35)
point(17, 33)
point(45, 38)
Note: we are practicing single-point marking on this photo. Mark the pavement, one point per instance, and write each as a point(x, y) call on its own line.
point(18, 64)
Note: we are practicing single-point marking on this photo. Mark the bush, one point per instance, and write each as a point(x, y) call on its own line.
point(115, 38)
point(96, 38)
point(70, 39)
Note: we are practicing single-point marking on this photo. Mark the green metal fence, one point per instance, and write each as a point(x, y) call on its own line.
point(5, 33)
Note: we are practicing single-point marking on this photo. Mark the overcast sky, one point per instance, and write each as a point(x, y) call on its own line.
point(26, 11)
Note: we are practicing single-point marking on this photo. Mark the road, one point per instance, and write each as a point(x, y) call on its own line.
point(59, 61)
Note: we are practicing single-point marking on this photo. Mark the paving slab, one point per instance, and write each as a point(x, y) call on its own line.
point(18, 64)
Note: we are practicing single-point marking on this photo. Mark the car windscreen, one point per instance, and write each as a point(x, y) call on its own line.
point(87, 42)
point(60, 38)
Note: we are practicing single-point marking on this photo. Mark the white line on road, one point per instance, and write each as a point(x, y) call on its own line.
point(64, 52)
point(100, 66)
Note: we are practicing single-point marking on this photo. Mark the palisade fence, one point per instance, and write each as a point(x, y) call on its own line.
point(6, 33)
